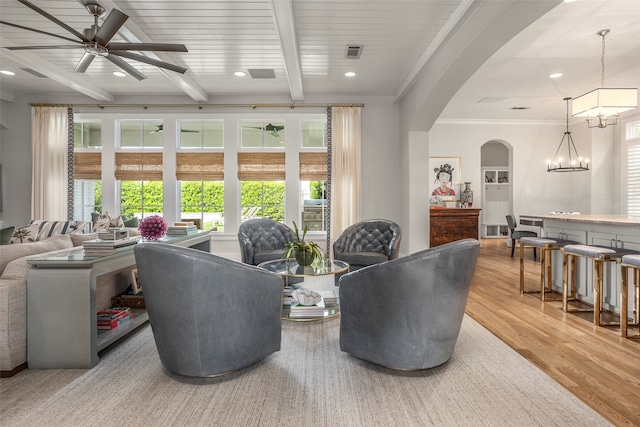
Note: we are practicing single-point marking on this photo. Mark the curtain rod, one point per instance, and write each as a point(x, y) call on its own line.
point(199, 106)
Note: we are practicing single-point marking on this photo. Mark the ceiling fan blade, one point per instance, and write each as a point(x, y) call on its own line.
point(40, 31)
point(84, 63)
point(54, 19)
point(126, 67)
point(43, 47)
point(158, 47)
point(150, 61)
point(110, 27)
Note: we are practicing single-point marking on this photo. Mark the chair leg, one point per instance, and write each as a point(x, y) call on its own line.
point(535, 257)
point(513, 246)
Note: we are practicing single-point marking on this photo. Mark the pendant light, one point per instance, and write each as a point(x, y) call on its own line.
point(605, 104)
point(574, 163)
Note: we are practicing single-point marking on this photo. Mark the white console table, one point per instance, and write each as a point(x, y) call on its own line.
point(65, 291)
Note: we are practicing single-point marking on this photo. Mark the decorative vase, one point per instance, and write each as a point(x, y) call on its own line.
point(305, 258)
point(467, 194)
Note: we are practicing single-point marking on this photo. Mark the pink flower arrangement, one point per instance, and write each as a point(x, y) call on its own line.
point(153, 227)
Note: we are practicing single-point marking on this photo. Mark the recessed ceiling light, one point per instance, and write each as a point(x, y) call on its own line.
point(7, 72)
point(240, 73)
point(569, 1)
point(119, 73)
point(555, 75)
point(350, 74)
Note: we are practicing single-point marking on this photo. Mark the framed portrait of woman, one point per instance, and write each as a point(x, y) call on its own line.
point(444, 177)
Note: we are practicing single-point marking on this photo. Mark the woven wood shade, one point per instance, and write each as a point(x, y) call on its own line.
point(200, 166)
point(139, 166)
point(313, 166)
point(261, 166)
point(87, 165)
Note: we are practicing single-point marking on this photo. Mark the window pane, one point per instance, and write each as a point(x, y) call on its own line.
point(203, 203)
point(131, 134)
point(262, 199)
point(314, 205)
point(201, 134)
point(141, 198)
point(153, 135)
point(314, 134)
point(633, 130)
point(87, 135)
point(213, 135)
point(87, 198)
point(263, 135)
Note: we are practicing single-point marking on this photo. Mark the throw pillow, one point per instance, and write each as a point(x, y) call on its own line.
point(26, 234)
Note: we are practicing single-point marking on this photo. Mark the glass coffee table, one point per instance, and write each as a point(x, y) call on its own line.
point(319, 278)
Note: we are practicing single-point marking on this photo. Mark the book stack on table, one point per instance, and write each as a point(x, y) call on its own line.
point(287, 299)
point(306, 311)
point(113, 317)
point(113, 234)
point(100, 247)
point(185, 228)
point(328, 296)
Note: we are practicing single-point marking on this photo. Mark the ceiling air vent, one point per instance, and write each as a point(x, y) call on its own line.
point(353, 51)
point(259, 73)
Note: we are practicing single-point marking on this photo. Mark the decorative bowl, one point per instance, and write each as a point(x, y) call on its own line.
point(306, 297)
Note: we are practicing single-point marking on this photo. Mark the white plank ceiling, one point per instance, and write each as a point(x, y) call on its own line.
point(304, 43)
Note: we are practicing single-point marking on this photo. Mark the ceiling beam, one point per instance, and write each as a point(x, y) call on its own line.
point(286, 27)
point(54, 72)
point(134, 34)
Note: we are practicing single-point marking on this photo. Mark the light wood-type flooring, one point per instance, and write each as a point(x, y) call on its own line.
point(593, 362)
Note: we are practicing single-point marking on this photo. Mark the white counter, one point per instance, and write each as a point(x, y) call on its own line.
point(618, 231)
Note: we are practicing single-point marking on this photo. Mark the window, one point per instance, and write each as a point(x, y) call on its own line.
point(201, 189)
point(202, 134)
point(262, 185)
point(633, 168)
point(87, 135)
point(313, 185)
point(262, 135)
point(87, 169)
point(141, 198)
point(313, 134)
point(141, 134)
point(141, 187)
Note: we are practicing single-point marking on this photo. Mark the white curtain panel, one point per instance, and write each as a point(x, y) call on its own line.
point(49, 175)
point(346, 126)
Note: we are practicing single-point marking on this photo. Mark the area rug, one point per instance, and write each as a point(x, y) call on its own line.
point(310, 382)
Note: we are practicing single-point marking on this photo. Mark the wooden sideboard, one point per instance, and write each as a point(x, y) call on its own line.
point(449, 225)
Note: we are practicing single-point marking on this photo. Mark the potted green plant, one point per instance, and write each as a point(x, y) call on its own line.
point(304, 252)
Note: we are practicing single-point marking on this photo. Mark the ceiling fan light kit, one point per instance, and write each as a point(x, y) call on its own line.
point(96, 41)
point(604, 104)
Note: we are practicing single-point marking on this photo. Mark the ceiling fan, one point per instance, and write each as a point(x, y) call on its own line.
point(160, 129)
point(270, 129)
point(95, 41)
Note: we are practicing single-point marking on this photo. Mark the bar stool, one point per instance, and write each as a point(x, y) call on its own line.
point(629, 262)
point(599, 255)
point(547, 245)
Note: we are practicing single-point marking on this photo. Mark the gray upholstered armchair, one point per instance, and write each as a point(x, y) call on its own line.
point(263, 239)
point(209, 315)
point(407, 313)
point(368, 242)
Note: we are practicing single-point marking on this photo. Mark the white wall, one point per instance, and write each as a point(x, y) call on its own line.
point(535, 191)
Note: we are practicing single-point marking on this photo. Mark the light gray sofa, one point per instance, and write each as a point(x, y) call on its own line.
point(209, 315)
point(406, 313)
point(13, 297)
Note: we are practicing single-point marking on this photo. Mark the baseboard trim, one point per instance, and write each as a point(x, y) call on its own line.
point(7, 374)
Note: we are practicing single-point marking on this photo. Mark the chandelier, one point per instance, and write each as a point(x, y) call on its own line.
point(574, 163)
point(605, 104)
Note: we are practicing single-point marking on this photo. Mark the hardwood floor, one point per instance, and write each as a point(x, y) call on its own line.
point(594, 363)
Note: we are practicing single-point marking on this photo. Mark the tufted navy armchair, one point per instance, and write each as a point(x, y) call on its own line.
point(263, 239)
point(368, 242)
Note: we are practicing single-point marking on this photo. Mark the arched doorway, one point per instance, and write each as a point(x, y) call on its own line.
point(495, 163)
